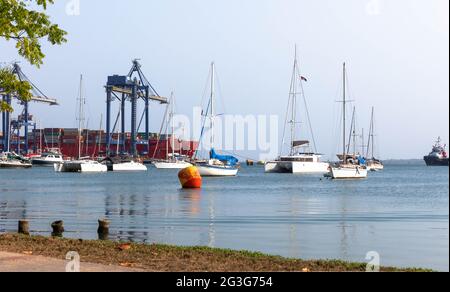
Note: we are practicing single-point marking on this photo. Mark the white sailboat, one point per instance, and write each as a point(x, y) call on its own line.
point(216, 165)
point(80, 165)
point(121, 162)
point(350, 166)
point(301, 160)
point(173, 160)
point(373, 164)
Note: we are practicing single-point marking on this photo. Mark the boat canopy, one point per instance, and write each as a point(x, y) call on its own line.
point(227, 159)
point(300, 143)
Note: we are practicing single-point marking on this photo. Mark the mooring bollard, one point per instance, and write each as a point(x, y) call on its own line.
point(58, 228)
point(103, 229)
point(24, 227)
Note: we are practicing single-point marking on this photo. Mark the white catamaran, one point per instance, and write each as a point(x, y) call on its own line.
point(350, 166)
point(173, 160)
point(301, 160)
point(80, 164)
point(217, 165)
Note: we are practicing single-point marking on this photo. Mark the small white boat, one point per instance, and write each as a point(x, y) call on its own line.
point(129, 166)
point(84, 166)
point(123, 164)
point(301, 158)
point(374, 165)
point(47, 159)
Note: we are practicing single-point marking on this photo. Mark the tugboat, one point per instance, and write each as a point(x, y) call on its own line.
point(438, 156)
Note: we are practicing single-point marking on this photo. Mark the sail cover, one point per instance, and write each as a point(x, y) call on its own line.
point(227, 159)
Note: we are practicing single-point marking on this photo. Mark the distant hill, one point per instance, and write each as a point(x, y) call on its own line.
point(404, 162)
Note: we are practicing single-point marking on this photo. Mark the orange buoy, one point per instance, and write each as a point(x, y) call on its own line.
point(190, 178)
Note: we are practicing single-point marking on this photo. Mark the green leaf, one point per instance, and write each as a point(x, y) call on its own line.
point(27, 28)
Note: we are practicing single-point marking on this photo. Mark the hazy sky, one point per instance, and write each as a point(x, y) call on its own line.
point(397, 54)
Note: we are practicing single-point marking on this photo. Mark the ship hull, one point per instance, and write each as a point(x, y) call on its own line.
point(434, 161)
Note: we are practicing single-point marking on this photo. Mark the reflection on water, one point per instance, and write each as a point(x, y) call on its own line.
point(402, 213)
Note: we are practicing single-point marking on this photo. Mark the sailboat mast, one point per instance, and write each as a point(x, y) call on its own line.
point(373, 132)
point(371, 135)
point(212, 103)
point(354, 131)
point(362, 143)
point(294, 102)
point(167, 130)
point(344, 113)
point(81, 116)
point(172, 125)
point(100, 136)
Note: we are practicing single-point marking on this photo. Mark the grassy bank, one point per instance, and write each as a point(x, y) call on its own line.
point(163, 258)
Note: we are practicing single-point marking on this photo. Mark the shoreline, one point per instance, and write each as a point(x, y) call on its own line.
point(166, 258)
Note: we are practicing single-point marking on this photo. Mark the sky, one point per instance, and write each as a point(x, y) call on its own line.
point(396, 53)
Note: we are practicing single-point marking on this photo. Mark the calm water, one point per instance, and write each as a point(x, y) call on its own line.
point(402, 213)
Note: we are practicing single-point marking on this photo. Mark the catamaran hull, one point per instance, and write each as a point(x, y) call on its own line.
point(42, 162)
point(297, 167)
point(171, 165)
point(349, 173)
point(80, 167)
point(217, 171)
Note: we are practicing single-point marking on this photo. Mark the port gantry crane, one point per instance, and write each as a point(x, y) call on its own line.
point(133, 87)
point(25, 118)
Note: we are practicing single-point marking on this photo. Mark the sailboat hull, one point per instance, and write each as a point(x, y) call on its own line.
point(129, 166)
point(356, 172)
point(172, 165)
point(80, 166)
point(6, 164)
point(211, 170)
